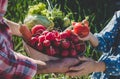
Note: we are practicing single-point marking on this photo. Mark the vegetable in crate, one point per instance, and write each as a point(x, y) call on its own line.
point(55, 43)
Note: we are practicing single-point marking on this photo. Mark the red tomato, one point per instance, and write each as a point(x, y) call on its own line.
point(81, 29)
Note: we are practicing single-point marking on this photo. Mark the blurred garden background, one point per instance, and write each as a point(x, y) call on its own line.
point(99, 12)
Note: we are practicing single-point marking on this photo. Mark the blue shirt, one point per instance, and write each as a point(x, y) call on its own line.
point(106, 40)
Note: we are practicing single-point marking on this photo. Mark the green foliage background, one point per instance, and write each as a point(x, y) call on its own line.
point(99, 12)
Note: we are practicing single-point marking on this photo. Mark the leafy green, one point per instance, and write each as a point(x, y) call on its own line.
point(32, 20)
point(55, 15)
point(37, 9)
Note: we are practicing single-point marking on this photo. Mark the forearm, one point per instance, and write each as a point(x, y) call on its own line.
point(57, 66)
point(14, 27)
point(93, 40)
point(100, 67)
point(51, 67)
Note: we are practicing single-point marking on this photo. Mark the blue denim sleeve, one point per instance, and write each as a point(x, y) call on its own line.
point(112, 65)
point(107, 36)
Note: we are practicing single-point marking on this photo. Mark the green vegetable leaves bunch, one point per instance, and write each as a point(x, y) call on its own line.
point(52, 18)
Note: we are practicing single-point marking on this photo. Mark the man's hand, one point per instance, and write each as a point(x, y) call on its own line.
point(14, 27)
point(57, 66)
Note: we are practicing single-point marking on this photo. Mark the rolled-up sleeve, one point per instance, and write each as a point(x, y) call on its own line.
point(106, 39)
point(108, 35)
point(112, 65)
point(16, 66)
point(26, 67)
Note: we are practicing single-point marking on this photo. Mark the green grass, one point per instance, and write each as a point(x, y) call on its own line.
point(98, 11)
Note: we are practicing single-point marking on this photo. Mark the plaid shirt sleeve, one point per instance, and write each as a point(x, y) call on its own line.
point(20, 67)
point(13, 65)
point(26, 67)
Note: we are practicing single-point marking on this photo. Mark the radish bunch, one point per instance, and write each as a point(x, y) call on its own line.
point(55, 43)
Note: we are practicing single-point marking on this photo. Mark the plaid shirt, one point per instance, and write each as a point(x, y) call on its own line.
point(12, 65)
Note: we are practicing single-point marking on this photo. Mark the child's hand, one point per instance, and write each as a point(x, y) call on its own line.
point(85, 38)
point(86, 67)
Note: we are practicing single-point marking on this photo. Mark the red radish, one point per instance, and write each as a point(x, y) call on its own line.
point(37, 27)
point(40, 46)
point(78, 47)
point(33, 41)
point(57, 50)
point(74, 39)
point(58, 37)
point(36, 35)
point(57, 42)
point(50, 51)
point(56, 33)
point(46, 43)
point(63, 35)
point(73, 53)
point(39, 31)
point(45, 32)
point(82, 48)
point(41, 38)
point(69, 32)
point(65, 53)
point(72, 46)
point(65, 44)
point(50, 36)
